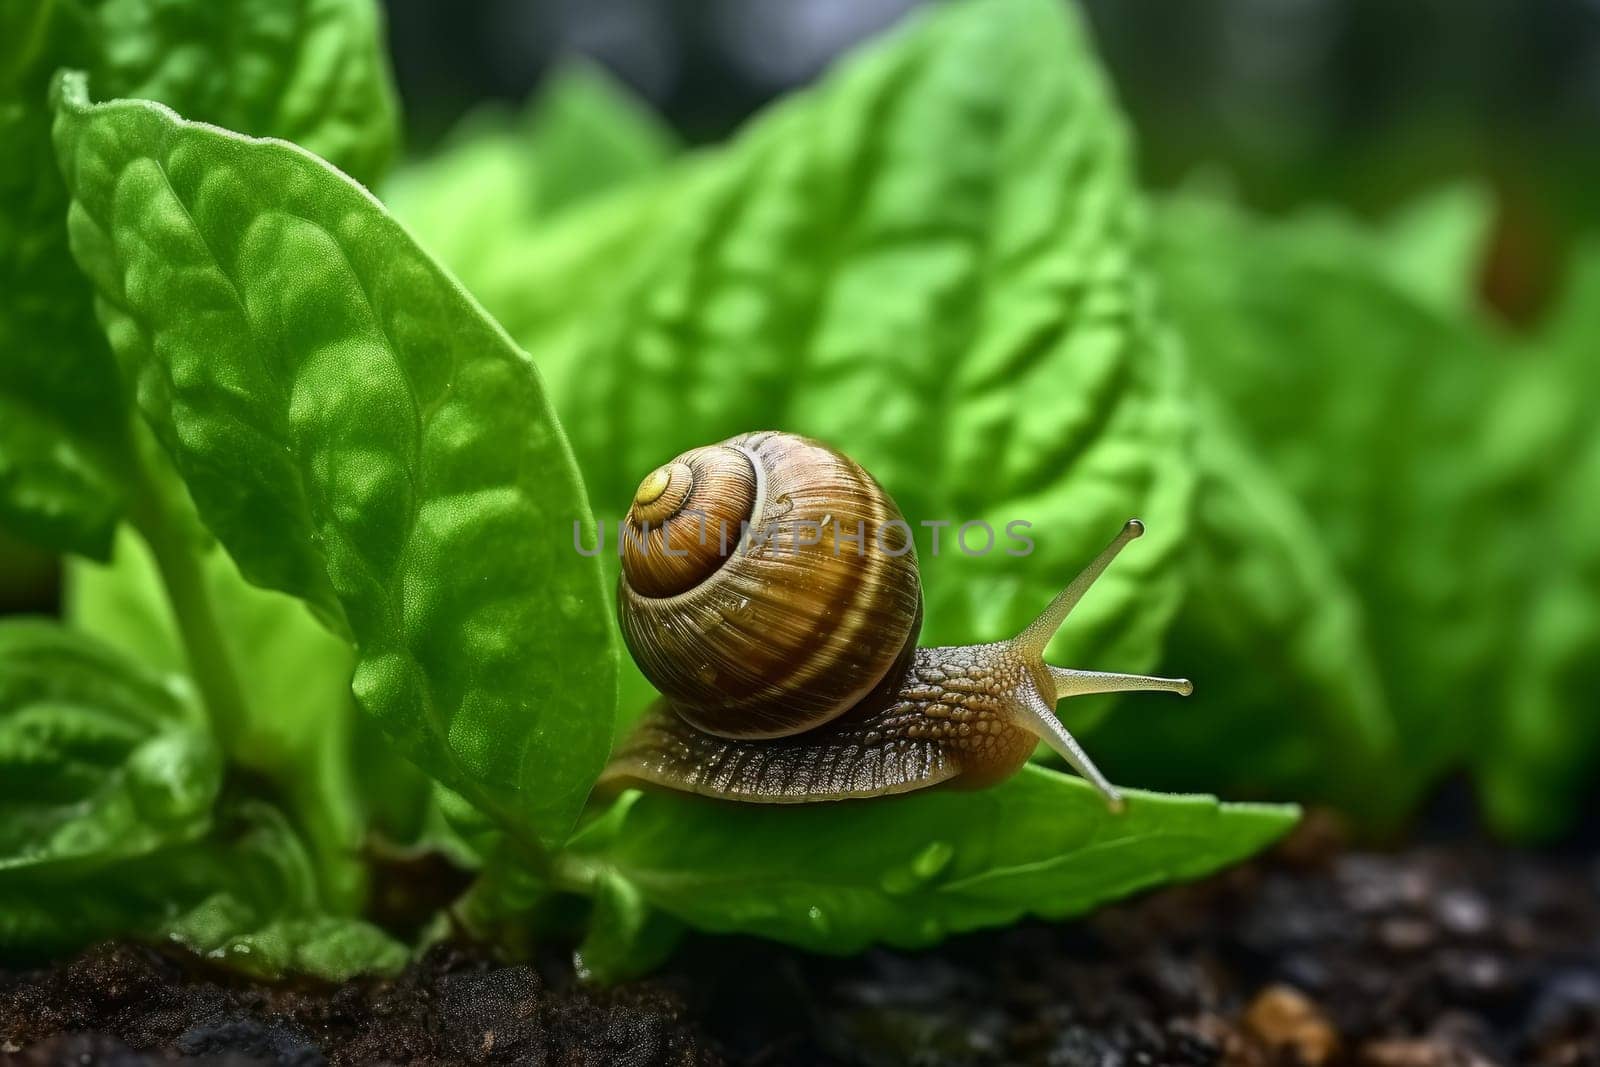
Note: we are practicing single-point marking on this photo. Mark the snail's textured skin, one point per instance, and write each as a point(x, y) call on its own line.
point(948, 721)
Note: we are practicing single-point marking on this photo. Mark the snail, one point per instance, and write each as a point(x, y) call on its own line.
point(769, 591)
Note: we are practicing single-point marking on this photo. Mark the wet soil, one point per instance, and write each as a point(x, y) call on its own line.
point(1441, 955)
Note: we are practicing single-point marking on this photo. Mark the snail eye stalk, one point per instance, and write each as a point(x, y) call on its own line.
point(1034, 714)
point(1031, 641)
point(1071, 683)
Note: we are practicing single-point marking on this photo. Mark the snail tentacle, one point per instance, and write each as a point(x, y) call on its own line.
point(1032, 640)
point(1071, 683)
point(1035, 714)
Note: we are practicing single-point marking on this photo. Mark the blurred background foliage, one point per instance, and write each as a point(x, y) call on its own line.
point(1358, 102)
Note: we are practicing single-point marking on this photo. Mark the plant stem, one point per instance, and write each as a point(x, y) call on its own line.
point(571, 873)
point(165, 525)
point(152, 515)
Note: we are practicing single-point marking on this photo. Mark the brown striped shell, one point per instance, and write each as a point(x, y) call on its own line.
point(775, 627)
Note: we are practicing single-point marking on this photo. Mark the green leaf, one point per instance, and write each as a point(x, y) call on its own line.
point(244, 896)
point(929, 260)
point(101, 759)
point(589, 133)
point(123, 602)
point(1435, 245)
point(1431, 247)
point(909, 870)
point(359, 434)
point(314, 72)
point(499, 177)
point(1540, 763)
point(1368, 403)
point(64, 438)
point(311, 70)
point(106, 786)
point(332, 947)
point(1287, 697)
point(261, 911)
point(24, 31)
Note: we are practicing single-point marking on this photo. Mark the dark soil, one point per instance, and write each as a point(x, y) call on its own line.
point(1436, 955)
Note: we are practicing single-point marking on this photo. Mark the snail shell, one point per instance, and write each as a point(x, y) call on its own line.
point(740, 600)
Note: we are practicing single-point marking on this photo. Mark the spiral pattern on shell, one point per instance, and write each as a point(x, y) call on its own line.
point(745, 596)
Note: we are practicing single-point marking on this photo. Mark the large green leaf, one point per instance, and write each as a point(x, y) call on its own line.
point(909, 870)
point(929, 260)
point(101, 759)
point(1368, 403)
point(310, 70)
point(1287, 701)
point(64, 438)
point(314, 72)
point(499, 177)
point(1544, 443)
point(359, 434)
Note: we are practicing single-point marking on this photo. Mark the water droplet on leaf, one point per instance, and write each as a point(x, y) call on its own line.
point(934, 857)
point(926, 865)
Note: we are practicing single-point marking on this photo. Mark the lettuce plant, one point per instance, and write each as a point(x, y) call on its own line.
point(318, 440)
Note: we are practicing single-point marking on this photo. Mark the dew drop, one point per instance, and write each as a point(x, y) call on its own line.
point(734, 614)
point(819, 920)
point(926, 865)
point(934, 857)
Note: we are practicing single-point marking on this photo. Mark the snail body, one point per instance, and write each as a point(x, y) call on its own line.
point(769, 590)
